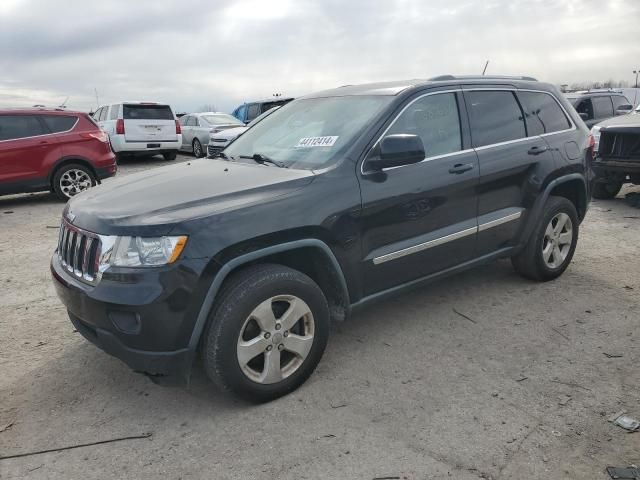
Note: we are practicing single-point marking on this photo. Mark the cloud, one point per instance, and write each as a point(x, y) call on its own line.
point(194, 52)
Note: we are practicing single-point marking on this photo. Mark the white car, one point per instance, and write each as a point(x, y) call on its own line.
point(140, 128)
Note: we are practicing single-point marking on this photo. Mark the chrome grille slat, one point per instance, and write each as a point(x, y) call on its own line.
point(78, 251)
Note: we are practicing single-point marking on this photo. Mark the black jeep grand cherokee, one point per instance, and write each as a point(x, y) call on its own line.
point(336, 199)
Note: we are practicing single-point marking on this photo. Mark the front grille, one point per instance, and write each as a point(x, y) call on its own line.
point(213, 151)
point(620, 145)
point(78, 252)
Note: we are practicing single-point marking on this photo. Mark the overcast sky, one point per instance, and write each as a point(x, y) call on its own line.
point(195, 52)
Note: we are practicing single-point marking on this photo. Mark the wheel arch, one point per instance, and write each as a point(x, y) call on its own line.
point(70, 160)
point(294, 254)
point(572, 186)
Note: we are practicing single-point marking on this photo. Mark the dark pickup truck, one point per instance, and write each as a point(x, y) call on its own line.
point(618, 154)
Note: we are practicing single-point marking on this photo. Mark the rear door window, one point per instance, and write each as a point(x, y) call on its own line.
point(13, 127)
point(435, 119)
point(191, 121)
point(543, 114)
point(59, 123)
point(147, 112)
point(103, 114)
point(602, 107)
point(619, 100)
point(495, 117)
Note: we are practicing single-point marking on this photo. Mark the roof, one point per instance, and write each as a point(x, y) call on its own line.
point(397, 87)
point(32, 110)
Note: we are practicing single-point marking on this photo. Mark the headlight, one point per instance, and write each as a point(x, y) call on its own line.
point(140, 251)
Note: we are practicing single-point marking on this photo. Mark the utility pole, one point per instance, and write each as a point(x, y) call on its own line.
point(636, 72)
point(97, 99)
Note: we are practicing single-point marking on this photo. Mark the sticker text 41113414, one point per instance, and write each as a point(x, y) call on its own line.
point(308, 142)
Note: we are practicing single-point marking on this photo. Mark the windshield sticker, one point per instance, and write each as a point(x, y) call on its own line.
point(308, 142)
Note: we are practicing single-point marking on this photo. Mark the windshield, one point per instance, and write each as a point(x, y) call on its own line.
point(309, 133)
point(221, 119)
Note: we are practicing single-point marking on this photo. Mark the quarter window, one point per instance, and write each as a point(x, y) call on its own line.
point(59, 123)
point(19, 126)
point(602, 107)
point(114, 112)
point(495, 117)
point(619, 100)
point(435, 119)
point(543, 113)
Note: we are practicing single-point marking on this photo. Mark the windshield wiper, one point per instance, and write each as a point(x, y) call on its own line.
point(259, 158)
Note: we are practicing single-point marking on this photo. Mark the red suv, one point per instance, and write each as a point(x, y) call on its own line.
point(57, 150)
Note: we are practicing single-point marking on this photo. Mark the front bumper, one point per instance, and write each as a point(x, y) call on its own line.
point(141, 321)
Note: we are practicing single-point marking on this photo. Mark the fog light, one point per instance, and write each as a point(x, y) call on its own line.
point(126, 322)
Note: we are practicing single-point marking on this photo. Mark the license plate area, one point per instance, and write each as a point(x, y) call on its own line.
point(153, 145)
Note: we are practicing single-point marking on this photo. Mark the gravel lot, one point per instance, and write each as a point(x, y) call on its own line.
point(517, 385)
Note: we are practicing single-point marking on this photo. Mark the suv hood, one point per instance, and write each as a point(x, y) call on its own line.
point(153, 202)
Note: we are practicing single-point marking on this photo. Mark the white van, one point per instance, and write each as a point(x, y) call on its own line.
point(140, 128)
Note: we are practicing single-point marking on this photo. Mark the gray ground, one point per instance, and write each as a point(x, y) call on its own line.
point(407, 389)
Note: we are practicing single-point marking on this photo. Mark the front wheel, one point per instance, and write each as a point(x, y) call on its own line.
point(267, 333)
point(552, 243)
point(72, 179)
point(170, 155)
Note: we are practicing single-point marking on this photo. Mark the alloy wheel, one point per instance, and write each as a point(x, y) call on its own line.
point(557, 240)
point(275, 339)
point(74, 181)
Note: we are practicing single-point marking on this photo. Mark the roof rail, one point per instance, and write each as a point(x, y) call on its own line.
point(468, 77)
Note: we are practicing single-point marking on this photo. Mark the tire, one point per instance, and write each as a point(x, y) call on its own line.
point(250, 294)
point(170, 155)
point(72, 179)
point(606, 190)
point(534, 261)
point(197, 148)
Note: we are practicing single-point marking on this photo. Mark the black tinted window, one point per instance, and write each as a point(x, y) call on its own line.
point(19, 126)
point(254, 111)
point(146, 112)
point(59, 123)
point(543, 113)
point(585, 107)
point(495, 117)
point(602, 107)
point(435, 120)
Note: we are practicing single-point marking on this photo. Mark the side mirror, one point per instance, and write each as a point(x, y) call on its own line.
point(397, 150)
point(624, 109)
point(583, 116)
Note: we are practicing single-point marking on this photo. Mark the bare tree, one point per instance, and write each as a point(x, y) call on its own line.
point(207, 107)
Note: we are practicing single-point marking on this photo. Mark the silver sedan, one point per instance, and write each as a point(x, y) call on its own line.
point(198, 127)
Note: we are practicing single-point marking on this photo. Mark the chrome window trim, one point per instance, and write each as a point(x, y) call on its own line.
point(470, 89)
point(445, 239)
point(44, 134)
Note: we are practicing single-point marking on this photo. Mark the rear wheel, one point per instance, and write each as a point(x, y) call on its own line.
point(72, 179)
point(170, 155)
point(197, 148)
point(552, 243)
point(606, 190)
point(267, 333)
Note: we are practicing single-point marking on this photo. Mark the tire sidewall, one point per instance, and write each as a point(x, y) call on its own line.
point(197, 142)
point(562, 205)
point(229, 318)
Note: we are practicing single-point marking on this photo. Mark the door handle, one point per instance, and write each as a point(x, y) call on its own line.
point(459, 168)
point(537, 150)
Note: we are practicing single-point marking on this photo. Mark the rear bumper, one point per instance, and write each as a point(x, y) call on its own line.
point(603, 166)
point(120, 144)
